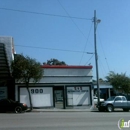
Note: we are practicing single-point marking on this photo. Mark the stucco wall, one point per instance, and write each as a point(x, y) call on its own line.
point(67, 75)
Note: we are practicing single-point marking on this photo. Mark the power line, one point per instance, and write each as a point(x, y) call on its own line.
point(53, 49)
point(71, 19)
point(89, 59)
point(85, 44)
point(102, 68)
point(39, 13)
point(78, 29)
point(104, 53)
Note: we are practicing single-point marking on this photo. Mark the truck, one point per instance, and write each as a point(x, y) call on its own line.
point(114, 102)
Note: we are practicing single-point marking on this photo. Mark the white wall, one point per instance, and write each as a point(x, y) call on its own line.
point(66, 75)
point(67, 72)
point(65, 79)
point(78, 95)
point(41, 96)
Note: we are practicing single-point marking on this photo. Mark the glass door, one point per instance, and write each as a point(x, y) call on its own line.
point(58, 98)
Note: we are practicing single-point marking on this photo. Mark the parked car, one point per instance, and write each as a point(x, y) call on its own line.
point(96, 100)
point(7, 105)
point(114, 102)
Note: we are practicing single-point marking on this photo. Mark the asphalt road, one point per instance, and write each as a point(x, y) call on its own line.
point(62, 120)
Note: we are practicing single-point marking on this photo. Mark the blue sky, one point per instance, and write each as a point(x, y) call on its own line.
point(41, 31)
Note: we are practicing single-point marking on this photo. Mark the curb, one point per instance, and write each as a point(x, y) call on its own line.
point(60, 110)
point(90, 109)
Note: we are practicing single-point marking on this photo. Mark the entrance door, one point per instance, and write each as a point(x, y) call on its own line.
point(58, 99)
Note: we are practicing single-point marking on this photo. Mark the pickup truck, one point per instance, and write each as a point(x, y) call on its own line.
point(114, 102)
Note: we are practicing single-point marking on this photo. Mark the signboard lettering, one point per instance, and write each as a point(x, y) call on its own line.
point(77, 89)
point(36, 91)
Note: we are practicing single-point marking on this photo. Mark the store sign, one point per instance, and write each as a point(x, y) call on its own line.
point(36, 91)
point(3, 92)
point(77, 89)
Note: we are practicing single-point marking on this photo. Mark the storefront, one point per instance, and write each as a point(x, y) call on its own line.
point(106, 90)
point(60, 87)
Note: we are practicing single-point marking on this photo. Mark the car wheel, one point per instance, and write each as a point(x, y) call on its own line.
point(110, 108)
point(126, 110)
point(18, 109)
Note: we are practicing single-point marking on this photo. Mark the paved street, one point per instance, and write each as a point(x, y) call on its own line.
point(62, 120)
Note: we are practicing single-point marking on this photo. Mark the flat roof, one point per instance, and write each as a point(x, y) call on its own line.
point(66, 67)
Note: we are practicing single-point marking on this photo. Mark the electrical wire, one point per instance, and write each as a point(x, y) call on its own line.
point(85, 45)
point(39, 13)
point(53, 49)
point(102, 67)
point(78, 29)
point(71, 19)
point(103, 52)
point(89, 59)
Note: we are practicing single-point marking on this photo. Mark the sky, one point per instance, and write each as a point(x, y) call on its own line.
point(64, 30)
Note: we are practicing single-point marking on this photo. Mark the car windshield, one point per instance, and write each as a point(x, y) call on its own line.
point(111, 98)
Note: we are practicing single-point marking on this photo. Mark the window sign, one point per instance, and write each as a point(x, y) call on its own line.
point(78, 95)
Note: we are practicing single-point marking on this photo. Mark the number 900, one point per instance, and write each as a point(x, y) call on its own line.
point(36, 91)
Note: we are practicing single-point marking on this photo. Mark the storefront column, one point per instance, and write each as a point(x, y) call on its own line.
point(64, 98)
point(109, 92)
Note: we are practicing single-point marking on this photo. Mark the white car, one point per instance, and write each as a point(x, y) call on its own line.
point(96, 100)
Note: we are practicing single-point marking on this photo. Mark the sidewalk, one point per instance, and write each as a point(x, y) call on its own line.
point(74, 109)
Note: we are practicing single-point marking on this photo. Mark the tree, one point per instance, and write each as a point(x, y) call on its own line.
point(119, 81)
point(54, 62)
point(26, 69)
point(101, 80)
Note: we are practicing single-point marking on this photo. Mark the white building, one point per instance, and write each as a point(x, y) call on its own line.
point(61, 87)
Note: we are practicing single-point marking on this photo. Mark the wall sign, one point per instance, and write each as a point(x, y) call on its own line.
point(77, 89)
point(36, 91)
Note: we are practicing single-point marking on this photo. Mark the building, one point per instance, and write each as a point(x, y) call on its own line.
point(61, 87)
point(106, 90)
point(6, 56)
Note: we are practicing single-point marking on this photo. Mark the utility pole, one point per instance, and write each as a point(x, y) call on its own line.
point(96, 55)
